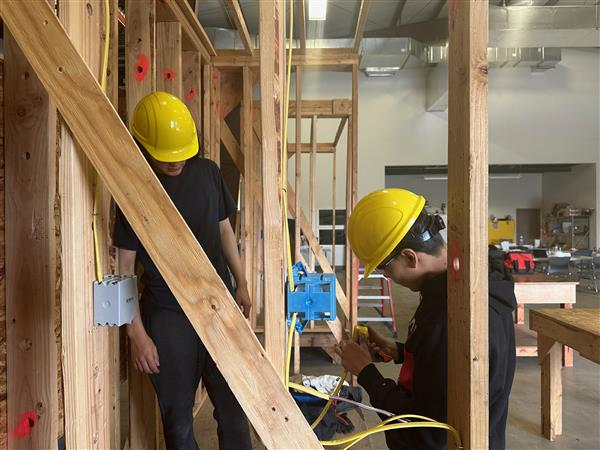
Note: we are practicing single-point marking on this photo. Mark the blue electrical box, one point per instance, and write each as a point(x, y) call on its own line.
point(313, 298)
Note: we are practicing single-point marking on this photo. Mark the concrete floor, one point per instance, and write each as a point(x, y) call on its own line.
point(581, 395)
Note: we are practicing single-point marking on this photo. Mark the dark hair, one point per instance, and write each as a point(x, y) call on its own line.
point(423, 237)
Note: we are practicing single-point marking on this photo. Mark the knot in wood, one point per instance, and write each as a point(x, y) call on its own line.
point(26, 344)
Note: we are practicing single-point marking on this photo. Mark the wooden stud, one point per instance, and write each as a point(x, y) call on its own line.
point(106, 220)
point(298, 154)
point(240, 24)
point(215, 115)
point(3, 356)
point(361, 23)
point(323, 109)
point(467, 216)
point(140, 80)
point(301, 24)
point(192, 85)
point(232, 146)
point(347, 251)
point(248, 173)
point(272, 81)
point(324, 147)
point(140, 73)
point(353, 129)
point(30, 130)
point(206, 109)
point(85, 358)
point(231, 91)
point(338, 133)
point(162, 231)
point(312, 194)
point(333, 208)
point(168, 58)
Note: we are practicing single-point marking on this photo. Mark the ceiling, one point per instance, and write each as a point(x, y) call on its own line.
point(493, 169)
point(342, 14)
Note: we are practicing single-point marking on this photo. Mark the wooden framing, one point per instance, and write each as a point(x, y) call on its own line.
point(312, 194)
point(30, 134)
point(327, 147)
point(322, 59)
point(232, 146)
point(240, 24)
point(140, 80)
point(467, 215)
point(301, 24)
point(84, 347)
point(215, 116)
point(361, 22)
point(168, 58)
point(206, 110)
point(199, 290)
point(271, 96)
point(298, 170)
point(192, 84)
point(333, 109)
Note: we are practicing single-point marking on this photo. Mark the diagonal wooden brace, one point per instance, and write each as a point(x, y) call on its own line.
point(161, 229)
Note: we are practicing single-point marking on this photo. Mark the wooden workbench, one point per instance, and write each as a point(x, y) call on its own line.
point(577, 328)
point(540, 289)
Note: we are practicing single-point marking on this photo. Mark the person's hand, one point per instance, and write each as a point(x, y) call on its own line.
point(144, 353)
point(355, 357)
point(378, 343)
point(242, 298)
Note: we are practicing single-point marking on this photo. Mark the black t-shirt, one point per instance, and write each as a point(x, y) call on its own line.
point(202, 198)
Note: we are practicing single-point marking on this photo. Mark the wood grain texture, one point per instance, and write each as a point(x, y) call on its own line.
point(192, 85)
point(30, 127)
point(321, 58)
point(361, 22)
point(248, 174)
point(467, 217)
point(577, 328)
point(140, 38)
point(140, 67)
point(215, 116)
point(353, 186)
point(85, 348)
point(232, 146)
point(206, 107)
point(168, 58)
point(3, 400)
point(312, 193)
point(161, 229)
point(272, 82)
point(551, 388)
point(240, 24)
point(301, 22)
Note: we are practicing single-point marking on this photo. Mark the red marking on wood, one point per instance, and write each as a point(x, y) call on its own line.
point(455, 263)
point(140, 68)
point(168, 74)
point(453, 8)
point(190, 94)
point(25, 425)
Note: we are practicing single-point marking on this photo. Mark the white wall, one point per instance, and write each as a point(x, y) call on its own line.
point(505, 196)
point(578, 188)
point(549, 117)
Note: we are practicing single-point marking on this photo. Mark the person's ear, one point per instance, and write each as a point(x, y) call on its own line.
point(411, 257)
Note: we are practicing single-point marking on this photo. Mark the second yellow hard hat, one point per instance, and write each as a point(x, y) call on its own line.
point(379, 222)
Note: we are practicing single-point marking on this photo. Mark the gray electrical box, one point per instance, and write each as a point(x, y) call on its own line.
point(115, 300)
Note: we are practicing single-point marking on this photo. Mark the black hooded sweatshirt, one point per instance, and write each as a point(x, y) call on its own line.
point(423, 382)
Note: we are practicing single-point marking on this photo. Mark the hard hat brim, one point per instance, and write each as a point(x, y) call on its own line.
point(171, 156)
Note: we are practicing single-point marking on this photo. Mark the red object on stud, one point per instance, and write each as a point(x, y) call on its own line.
point(168, 74)
point(140, 68)
point(190, 94)
point(25, 425)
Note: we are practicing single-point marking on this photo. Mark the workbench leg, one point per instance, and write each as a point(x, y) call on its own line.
point(551, 387)
point(567, 352)
point(520, 314)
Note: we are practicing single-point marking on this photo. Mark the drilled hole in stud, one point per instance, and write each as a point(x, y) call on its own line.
point(25, 76)
point(273, 409)
point(45, 22)
point(60, 69)
point(27, 156)
point(456, 264)
point(89, 9)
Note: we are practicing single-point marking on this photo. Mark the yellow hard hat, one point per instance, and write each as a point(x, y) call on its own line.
point(379, 222)
point(165, 127)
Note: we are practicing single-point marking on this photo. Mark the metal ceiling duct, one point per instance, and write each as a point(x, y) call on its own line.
point(386, 56)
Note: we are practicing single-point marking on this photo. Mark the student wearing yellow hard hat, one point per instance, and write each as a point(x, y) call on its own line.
point(163, 342)
point(391, 232)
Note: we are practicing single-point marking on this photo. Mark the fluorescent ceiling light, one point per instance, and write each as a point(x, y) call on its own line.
point(381, 71)
point(317, 9)
point(492, 177)
point(440, 178)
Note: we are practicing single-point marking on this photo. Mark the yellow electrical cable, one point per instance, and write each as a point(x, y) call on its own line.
point(103, 81)
point(335, 393)
point(289, 351)
point(284, 158)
